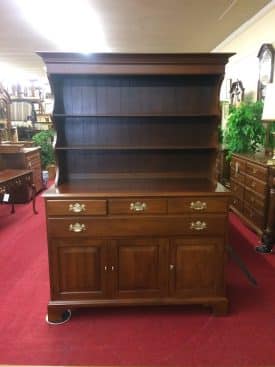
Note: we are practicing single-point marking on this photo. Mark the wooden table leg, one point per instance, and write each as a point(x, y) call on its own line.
point(33, 198)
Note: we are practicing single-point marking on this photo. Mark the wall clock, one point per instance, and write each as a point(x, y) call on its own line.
point(266, 65)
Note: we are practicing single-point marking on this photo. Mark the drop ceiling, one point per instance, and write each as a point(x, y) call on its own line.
point(130, 26)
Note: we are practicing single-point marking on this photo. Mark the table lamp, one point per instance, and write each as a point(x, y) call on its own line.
point(269, 115)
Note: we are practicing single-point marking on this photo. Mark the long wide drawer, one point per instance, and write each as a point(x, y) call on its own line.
point(142, 226)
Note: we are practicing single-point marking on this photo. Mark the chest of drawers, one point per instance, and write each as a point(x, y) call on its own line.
point(252, 186)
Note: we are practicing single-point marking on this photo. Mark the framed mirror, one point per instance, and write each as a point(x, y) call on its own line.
point(266, 67)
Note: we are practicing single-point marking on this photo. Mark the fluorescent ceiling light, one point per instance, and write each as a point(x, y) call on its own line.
point(72, 25)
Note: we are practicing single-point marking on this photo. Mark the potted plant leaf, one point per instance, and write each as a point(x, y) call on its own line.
point(44, 139)
point(244, 131)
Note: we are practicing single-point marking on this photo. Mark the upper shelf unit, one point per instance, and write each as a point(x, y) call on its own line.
point(119, 115)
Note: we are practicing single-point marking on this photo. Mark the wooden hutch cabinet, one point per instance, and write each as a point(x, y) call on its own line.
point(136, 216)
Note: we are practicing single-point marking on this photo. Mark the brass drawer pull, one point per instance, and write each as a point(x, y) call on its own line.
point(77, 208)
point(77, 227)
point(198, 205)
point(198, 225)
point(138, 206)
point(253, 184)
point(254, 170)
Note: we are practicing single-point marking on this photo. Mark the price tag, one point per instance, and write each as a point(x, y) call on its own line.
point(6, 198)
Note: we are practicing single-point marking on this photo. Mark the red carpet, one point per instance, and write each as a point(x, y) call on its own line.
point(167, 336)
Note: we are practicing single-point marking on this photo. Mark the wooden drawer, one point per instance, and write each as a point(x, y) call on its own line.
point(255, 217)
point(76, 207)
point(254, 201)
point(237, 176)
point(256, 185)
point(204, 225)
point(256, 171)
point(197, 205)
point(237, 190)
point(237, 203)
point(137, 206)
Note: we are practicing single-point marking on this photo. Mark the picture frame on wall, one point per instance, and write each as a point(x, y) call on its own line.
point(266, 69)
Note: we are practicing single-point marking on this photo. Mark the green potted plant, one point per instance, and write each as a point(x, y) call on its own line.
point(44, 139)
point(244, 131)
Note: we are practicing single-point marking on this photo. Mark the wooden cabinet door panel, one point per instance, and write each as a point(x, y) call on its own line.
point(196, 267)
point(140, 268)
point(79, 268)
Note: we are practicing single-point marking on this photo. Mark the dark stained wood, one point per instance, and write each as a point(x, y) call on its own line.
point(26, 158)
point(196, 262)
point(137, 141)
point(252, 184)
point(14, 182)
point(78, 269)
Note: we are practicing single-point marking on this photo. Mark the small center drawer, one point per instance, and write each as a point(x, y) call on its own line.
point(197, 205)
point(138, 206)
point(76, 207)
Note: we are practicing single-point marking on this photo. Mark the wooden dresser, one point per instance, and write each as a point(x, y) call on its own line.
point(136, 216)
point(26, 158)
point(252, 181)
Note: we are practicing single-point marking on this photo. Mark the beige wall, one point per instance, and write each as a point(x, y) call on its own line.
point(246, 43)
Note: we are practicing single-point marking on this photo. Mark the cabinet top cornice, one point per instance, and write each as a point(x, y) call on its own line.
point(135, 63)
point(133, 58)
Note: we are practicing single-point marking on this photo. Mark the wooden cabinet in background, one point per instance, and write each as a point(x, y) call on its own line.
point(26, 158)
point(252, 184)
point(137, 216)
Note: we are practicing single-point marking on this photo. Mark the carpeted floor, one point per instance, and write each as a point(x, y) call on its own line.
point(151, 336)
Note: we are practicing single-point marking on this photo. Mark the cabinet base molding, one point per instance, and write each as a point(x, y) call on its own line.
point(58, 310)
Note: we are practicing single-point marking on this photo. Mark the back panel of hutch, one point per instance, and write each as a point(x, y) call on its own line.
point(136, 216)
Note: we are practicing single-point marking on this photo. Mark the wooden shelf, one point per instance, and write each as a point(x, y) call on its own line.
point(132, 147)
point(137, 115)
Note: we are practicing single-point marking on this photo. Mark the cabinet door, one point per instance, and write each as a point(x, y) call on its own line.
point(140, 268)
point(78, 268)
point(196, 267)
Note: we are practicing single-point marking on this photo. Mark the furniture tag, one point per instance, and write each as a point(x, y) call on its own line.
point(6, 197)
point(237, 167)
